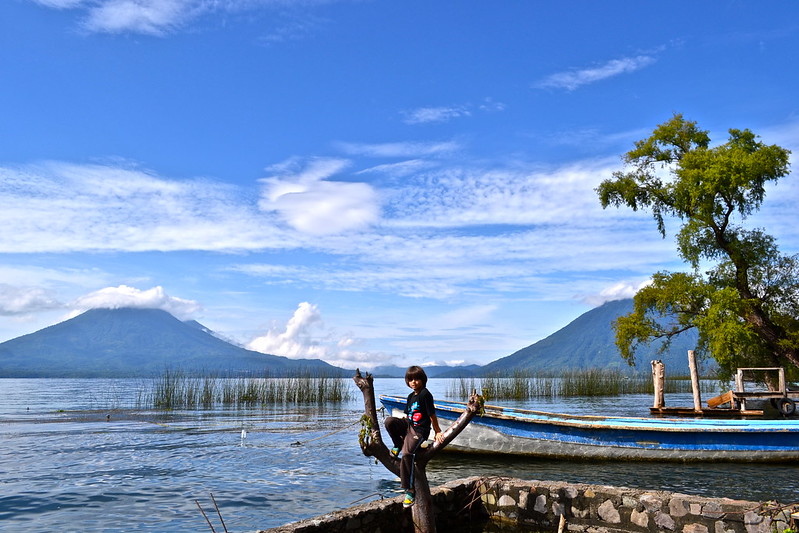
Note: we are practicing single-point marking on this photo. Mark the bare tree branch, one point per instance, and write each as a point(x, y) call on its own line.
point(372, 445)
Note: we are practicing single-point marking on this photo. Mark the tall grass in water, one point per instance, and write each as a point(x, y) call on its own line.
point(176, 390)
point(588, 382)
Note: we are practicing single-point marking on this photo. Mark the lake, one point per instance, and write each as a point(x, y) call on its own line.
point(77, 455)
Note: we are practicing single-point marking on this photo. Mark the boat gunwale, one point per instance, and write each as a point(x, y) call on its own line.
point(630, 423)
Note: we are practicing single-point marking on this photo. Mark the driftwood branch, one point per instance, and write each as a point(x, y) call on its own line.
point(372, 445)
point(370, 439)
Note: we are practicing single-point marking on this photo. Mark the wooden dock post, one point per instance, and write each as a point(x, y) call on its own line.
point(695, 381)
point(658, 376)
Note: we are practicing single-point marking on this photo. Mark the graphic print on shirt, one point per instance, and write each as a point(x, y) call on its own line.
point(416, 414)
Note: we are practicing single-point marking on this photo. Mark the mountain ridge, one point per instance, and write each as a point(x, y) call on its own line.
point(589, 342)
point(128, 342)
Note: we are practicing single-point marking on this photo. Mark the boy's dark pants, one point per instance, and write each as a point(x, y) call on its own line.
point(404, 437)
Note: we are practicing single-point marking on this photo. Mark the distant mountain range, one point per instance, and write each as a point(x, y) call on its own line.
point(139, 342)
point(432, 371)
point(146, 342)
point(586, 342)
point(589, 342)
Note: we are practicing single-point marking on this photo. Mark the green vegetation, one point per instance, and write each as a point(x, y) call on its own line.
point(591, 382)
point(176, 390)
point(741, 295)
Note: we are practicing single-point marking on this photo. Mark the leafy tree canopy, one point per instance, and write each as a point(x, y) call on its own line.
point(745, 307)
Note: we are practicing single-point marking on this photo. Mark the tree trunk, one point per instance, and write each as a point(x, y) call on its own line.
point(760, 321)
point(371, 441)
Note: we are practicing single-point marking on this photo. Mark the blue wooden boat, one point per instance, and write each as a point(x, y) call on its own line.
point(504, 430)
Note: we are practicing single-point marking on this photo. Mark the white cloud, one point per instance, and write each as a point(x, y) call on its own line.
point(401, 169)
point(152, 17)
point(63, 207)
point(618, 291)
point(162, 17)
point(296, 340)
point(489, 105)
point(440, 114)
point(304, 337)
point(291, 26)
point(571, 80)
point(461, 195)
point(400, 149)
point(23, 300)
point(432, 239)
point(124, 296)
point(27, 275)
point(59, 4)
point(424, 115)
point(310, 203)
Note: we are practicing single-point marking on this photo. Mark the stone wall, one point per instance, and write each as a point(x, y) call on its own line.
point(603, 509)
point(551, 506)
point(451, 500)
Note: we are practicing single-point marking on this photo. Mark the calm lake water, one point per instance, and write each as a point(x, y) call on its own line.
point(66, 465)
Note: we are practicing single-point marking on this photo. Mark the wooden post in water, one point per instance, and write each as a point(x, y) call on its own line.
point(695, 381)
point(658, 374)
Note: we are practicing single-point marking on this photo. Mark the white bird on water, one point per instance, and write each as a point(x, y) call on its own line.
point(243, 436)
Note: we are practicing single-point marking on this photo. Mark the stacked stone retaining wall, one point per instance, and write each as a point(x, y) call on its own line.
point(603, 509)
point(541, 506)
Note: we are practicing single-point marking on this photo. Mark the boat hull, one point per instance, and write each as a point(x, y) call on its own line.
point(537, 434)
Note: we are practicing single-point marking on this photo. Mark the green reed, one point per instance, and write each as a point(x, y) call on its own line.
point(522, 385)
point(176, 390)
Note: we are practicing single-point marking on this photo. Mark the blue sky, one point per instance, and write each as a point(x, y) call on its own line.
point(366, 182)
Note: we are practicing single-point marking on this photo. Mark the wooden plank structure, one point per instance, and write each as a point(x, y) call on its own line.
point(782, 398)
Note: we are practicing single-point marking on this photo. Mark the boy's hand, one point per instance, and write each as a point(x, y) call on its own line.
point(439, 437)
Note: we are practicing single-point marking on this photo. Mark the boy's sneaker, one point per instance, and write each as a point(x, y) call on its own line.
point(395, 452)
point(408, 499)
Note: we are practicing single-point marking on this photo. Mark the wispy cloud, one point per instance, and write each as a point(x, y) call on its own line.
point(400, 169)
point(463, 195)
point(439, 114)
point(153, 17)
point(574, 79)
point(60, 4)
point(62, 207)
point(400, 149)
point(163, 17)
point(402, 235)
point(448, 227)
point(425, 115)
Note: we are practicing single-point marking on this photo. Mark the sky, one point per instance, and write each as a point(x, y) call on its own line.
point(361, 181)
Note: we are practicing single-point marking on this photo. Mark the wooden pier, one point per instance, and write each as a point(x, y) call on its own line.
point(731, 404)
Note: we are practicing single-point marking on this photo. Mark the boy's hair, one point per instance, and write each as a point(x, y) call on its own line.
point(416, 372)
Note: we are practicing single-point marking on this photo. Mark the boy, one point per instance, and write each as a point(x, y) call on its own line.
point(409, 433)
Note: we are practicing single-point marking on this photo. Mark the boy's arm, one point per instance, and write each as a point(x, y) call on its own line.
point(438, 435)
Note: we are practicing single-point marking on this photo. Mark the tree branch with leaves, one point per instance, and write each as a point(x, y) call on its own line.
point(745, 305)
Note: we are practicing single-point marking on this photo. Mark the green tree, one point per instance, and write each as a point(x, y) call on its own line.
point(740, 293)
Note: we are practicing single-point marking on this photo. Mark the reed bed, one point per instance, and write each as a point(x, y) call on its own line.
point(175, 390)
point(587, 382)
